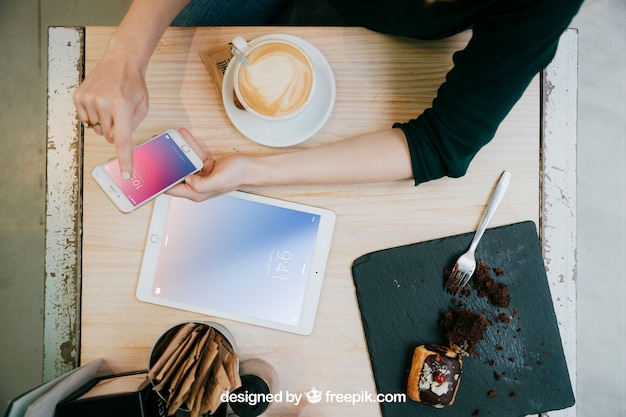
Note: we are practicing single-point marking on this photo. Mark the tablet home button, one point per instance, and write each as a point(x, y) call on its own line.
point(154, 238)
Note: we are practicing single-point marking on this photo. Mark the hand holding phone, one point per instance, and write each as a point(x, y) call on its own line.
point(159, 164)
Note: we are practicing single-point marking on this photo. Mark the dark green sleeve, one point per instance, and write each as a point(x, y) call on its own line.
point(511, 42)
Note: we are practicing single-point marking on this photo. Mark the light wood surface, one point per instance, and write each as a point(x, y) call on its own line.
point(380, 80)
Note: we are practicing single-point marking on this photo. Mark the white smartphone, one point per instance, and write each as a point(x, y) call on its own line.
point(158, 164)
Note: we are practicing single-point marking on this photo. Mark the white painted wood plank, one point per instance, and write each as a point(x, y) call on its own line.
point(63, 203)
point(558, 217)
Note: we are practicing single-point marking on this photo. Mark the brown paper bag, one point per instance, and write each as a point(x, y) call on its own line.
point(179, 392)
point(217, 385)
point(197, 366)
point(216, 61)
point(204, 365)
point(175, 367)
point(229, 361)
point(173, 344)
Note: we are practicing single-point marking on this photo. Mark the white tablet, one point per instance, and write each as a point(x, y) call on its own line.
point(239, 256)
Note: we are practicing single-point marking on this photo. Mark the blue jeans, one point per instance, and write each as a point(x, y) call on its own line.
point(259, 12)
point(225, 12)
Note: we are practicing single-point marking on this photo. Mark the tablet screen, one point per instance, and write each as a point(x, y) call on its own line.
point(237, 256)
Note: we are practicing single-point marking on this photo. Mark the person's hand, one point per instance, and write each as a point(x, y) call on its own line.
point(218, 176)
point(113, 100)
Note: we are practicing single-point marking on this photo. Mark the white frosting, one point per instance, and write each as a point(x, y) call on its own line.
point(440, 389)
point(427, 380)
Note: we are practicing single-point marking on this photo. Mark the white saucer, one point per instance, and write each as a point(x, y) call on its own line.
point(297, 129)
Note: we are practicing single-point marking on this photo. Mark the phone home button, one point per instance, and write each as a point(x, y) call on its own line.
point(154, 238)
point(185, 148)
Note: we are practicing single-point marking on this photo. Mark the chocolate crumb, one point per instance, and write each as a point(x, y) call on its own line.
point(486, 286)
point(457, 302)
point(492, 394)
point(512, 394)
point(497, 376)
point(503, 318)
point(476, 413)
point(448, 283)
point(464, 328)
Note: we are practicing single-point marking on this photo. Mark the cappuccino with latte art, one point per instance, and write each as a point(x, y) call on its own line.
point(277, 81)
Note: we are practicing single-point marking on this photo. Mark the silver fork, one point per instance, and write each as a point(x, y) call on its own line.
point(466, 264)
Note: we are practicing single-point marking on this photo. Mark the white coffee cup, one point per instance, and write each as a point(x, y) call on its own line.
point(277, 79)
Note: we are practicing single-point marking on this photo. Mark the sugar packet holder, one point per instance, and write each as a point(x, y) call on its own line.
point(193, 368)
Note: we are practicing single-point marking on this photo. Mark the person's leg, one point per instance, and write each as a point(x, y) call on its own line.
point(309, 13)
point(224, 12)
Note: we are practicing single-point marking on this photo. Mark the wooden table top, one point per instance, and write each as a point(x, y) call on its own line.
point(380, 80)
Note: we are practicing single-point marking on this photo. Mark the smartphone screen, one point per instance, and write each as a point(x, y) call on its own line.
point(157, 165)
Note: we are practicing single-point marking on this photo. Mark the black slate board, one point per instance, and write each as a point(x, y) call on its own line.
point(401, 298)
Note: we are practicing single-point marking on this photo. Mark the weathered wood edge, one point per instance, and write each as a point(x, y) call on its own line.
point(63, 203)
point(559, 85)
